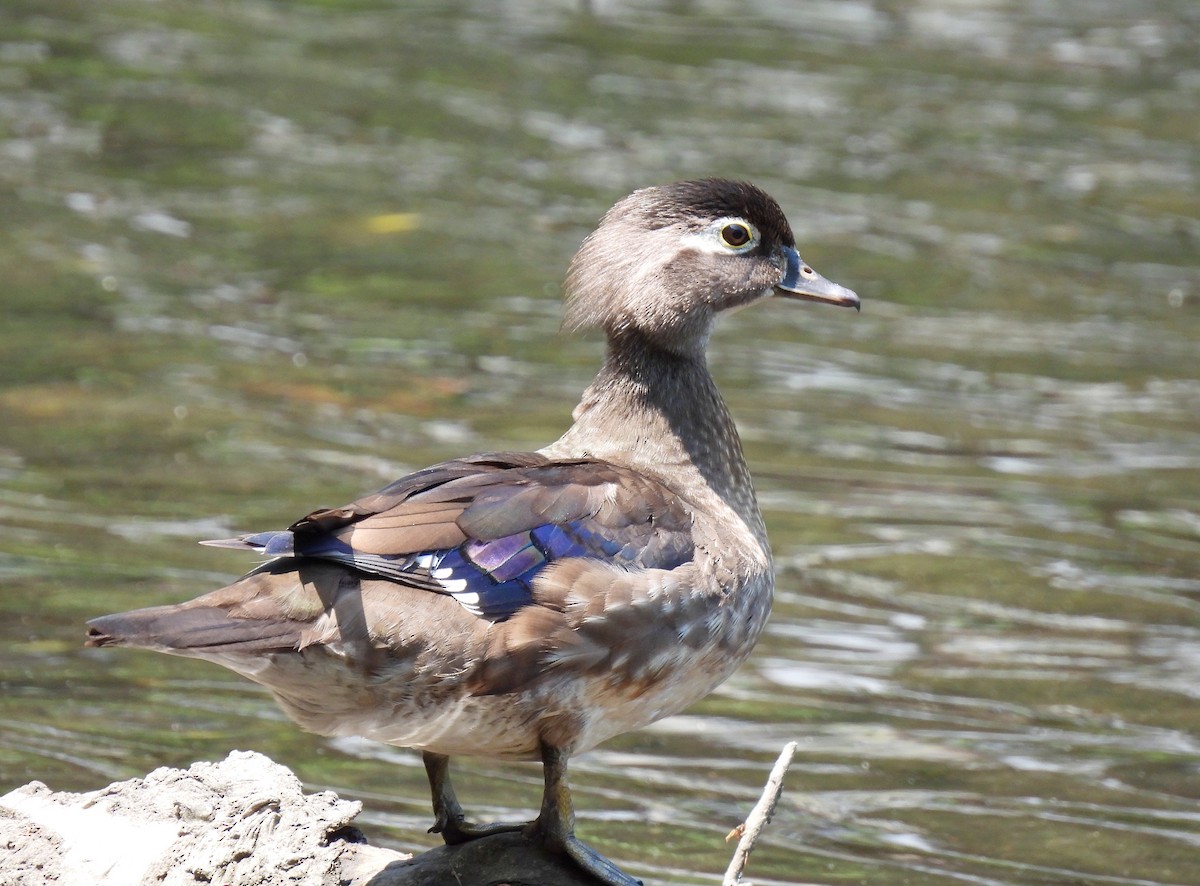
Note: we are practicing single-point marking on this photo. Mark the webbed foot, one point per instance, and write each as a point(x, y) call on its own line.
point(449, 819)
point(555, 826)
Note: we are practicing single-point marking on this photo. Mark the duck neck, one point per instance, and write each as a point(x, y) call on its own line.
point(659, 412)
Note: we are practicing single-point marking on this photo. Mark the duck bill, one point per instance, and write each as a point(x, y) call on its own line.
point(802, 282)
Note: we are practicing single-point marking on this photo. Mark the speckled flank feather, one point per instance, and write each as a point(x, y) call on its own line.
point(530, 605)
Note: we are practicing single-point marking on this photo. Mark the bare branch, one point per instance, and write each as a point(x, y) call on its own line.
point(759, 816)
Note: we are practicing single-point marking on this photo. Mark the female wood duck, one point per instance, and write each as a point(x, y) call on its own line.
point(529, 605)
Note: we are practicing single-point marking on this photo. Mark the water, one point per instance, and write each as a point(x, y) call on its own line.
point(260, 258)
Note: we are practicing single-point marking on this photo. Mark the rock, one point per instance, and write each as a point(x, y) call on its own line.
point(499, 860)
point(245, 821)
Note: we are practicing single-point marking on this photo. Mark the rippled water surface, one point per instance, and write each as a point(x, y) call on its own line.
point(263, 257)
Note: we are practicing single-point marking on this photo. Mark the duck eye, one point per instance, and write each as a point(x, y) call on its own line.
point(735, 235)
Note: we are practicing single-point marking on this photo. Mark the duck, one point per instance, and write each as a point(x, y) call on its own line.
point(530, 605)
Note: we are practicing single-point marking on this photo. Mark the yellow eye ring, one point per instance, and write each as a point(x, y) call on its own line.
point(735, 235)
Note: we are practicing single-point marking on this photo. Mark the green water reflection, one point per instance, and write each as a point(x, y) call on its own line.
point(263, 257)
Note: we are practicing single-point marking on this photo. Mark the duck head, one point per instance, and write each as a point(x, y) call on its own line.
point(665, 261)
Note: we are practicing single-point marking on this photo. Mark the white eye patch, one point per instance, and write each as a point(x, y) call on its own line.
point(725, 236)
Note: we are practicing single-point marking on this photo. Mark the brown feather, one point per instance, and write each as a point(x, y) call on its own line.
point(372, 539)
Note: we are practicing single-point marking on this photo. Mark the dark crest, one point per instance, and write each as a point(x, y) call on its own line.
point(712, 198)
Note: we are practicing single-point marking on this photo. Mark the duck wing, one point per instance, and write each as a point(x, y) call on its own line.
point(482, 529)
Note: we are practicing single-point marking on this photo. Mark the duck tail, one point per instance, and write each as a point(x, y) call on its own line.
point(192, 630)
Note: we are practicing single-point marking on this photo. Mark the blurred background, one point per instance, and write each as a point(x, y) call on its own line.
point(261, 257)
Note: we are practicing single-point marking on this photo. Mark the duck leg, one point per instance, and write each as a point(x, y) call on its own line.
point(555, 825)
point(449, 817)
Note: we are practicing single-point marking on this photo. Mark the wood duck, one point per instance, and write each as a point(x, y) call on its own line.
point(529, 605)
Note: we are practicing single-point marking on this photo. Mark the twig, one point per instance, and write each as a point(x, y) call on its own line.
point(748, 832)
